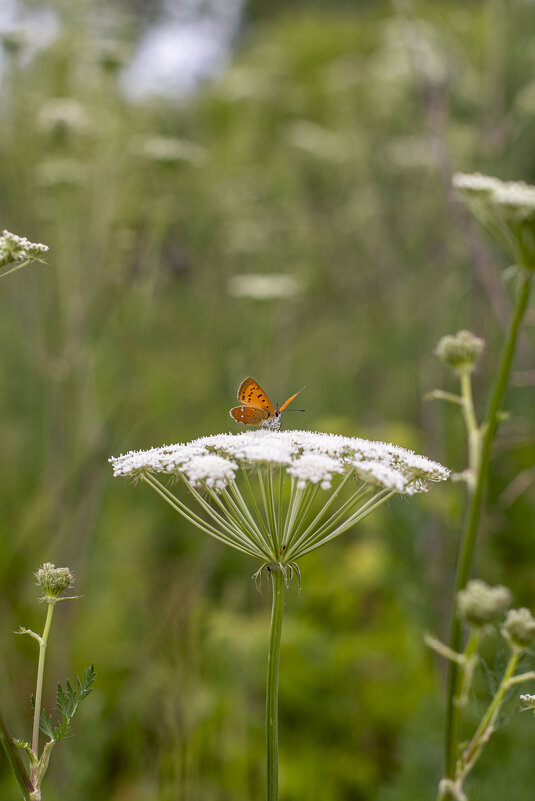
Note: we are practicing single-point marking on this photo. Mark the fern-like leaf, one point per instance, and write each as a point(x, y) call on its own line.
point(67, 702)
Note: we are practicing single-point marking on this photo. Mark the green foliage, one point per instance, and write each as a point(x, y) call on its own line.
point(67, 703)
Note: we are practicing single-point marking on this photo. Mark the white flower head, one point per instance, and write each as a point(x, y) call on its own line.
point(271, 286)
point(316, 468)
point(284, 474)
point(17, 249)
point(506, 209)
point(213, 470)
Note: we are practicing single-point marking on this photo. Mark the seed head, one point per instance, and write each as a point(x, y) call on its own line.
point(480, 604)
point(460, 351)
point(519, 628)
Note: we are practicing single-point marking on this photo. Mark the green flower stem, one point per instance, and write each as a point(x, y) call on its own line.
point(13, 755)
point(272, 689)
point(43, 642)
point(472, 428)
point(485, 728)
point(15, 268)
point(476, 497)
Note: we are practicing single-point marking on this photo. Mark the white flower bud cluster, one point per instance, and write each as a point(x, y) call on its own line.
point(310, 457)
point(516, 197)
point(17, 249)
point(506, 209)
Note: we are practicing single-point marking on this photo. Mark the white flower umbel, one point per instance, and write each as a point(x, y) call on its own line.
point(276, 496)
point(279, 495)
point(506, 209)
point(17, 252)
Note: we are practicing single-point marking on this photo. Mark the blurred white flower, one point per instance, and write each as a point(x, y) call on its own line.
point(264, 287)
point(506, 209)
point(261, 490)
point(61, 115)
point(169, 150)
point(61, 172)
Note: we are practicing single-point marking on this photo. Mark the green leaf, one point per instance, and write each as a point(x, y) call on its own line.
point(22, 744)
point(17, 766)
point(67, 703)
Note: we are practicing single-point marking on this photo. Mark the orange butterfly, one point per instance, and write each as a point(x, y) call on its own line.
point(257, 409)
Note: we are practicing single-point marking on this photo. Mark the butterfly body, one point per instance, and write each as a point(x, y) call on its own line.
point(257, 409)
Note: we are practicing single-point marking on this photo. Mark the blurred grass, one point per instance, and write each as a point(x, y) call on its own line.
point(322, 152)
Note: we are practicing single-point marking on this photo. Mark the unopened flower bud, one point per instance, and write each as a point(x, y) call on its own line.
point(53, 580)
point(480, 604)
point(529, 701)
point(461, 351)
point(519, 627)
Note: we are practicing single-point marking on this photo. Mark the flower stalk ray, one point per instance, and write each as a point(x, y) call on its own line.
point(276, 496)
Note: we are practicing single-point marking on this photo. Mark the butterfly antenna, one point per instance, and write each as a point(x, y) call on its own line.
point(284, 405)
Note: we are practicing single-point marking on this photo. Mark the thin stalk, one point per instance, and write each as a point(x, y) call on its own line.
point(233, 493)
point(17, 267)
point(296, 497)
point(347, 508)
point(478, 741)
point(297, 539)
point(472, 429)
point(43, 642)
point(257, 511)
point(272, 688)
point(269, 520)
point(273, 509)
point(474, 512)
point(279, 505)
point(195, 520)
point(355, 518)
point(244, 528)
point(301, 516)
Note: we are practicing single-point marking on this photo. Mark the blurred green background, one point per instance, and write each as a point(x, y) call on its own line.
point(319, 147)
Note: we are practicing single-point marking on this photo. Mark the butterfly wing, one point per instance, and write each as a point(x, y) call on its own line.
point(249, 415)
point(251, 394)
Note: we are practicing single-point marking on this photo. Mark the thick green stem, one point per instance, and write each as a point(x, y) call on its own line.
point(43, 641)
point(472, 522)
point(272, 690)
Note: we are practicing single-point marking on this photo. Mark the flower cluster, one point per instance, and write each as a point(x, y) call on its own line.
point(506, 209)
point(480, 604)
point(17, 249)
point(461, 351)
point(519, 628)
point(53, 580)
point(309, 456)
point(260, 490)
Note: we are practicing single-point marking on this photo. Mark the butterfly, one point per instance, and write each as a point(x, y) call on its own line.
point(257, 409)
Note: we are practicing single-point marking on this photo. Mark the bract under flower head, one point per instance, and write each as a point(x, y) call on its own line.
point(506, 209)
point(279, 513)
